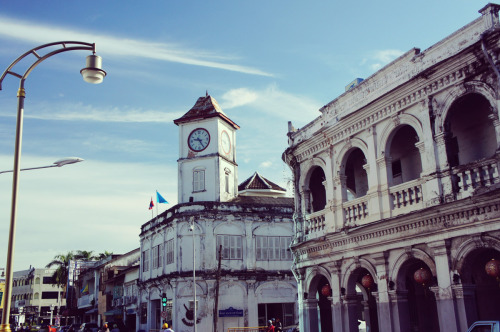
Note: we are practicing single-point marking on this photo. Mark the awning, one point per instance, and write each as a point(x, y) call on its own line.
point(113, 312)
point(91, 311)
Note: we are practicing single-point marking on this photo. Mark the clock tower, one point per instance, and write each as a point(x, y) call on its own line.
point(207, 169)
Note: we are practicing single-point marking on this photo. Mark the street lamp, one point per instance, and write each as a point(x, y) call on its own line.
point(92, 73)
point(191, 227)
point(57, 163)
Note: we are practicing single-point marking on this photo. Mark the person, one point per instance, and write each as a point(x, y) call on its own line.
point(115, 328)
point(165, 328)
point(105, 328)
point(270, 326)
point(278, 325)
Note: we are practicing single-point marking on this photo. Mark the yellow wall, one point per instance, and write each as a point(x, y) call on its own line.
point(2, 290)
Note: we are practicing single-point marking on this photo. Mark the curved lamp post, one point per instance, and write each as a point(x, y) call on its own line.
point(92, 73)
point(57, 163)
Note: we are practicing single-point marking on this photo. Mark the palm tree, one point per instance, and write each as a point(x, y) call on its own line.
point(83, 255)
point(62, 271)
point(103, 255)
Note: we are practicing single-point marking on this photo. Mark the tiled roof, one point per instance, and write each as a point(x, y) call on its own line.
point(264, 200)
point(205, 107)
point(258, 182)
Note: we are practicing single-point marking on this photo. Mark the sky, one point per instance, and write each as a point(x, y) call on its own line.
point(265, 62)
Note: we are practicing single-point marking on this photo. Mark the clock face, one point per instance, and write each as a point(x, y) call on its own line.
point(199, 139)
point(225, 142)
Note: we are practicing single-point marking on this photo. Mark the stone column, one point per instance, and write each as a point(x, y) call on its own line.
point(311, 317)
point(400, 311)
point(496, 125)
point(253, 315)
point(384, 312)
point(444, 298)
point(351, 312)
point(385, 196)
point(466, 305)
point(340, 196)
point(336, 299)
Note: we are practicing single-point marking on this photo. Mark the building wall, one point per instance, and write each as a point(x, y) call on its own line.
point(244, 283)
point(410, 190)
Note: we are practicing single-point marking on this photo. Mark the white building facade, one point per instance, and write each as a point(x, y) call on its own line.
point(397, 193)
point(237, 246)
point(35, 296)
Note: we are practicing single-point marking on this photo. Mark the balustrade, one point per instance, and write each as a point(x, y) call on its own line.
point(355, 211)
point(477, 175)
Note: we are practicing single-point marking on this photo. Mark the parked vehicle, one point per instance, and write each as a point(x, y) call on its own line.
point(89, 327)
point(52, 328)
point(485, 326)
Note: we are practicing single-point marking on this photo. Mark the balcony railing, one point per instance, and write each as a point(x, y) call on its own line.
point(355, 211)
point(476, 175)
point(406, 197)
point(315, 222)
point(85, 301)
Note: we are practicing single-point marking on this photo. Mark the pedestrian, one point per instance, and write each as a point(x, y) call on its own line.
point(105, 328)
point(115, 328)
point(278, 326)
point(270, 326)
point(165, 328)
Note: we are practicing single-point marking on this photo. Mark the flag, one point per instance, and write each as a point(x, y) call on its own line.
point(151, 204)
point(159, 198)
point(85, 290)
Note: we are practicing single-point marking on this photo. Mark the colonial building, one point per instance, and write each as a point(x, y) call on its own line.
point(397, 193)
point(35, 297)
point(227, 252)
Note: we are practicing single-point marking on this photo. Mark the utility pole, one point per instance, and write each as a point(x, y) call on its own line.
point(217, 279)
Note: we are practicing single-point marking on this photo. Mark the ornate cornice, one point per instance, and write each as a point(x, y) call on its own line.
point(390, 110)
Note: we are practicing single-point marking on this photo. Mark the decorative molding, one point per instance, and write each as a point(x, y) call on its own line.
point(422, 226)
point(420, 94)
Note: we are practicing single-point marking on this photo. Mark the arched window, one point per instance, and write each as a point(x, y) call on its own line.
point(405, 163)
point(317, 189)
point(356, 177)
point(470, 134)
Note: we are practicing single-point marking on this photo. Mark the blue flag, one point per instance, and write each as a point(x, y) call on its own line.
point(159, 198)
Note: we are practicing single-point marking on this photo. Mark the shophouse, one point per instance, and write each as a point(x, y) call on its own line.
point(397, 193)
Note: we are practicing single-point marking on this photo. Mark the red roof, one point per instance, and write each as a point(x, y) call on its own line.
point(204, 108)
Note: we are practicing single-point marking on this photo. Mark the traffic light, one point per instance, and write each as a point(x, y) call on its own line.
point(164, 300)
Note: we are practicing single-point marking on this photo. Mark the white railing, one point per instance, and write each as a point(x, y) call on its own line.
point(315, 222)
point(477, 175)
point(85, 300)
point(407, 195)
point(355, 211)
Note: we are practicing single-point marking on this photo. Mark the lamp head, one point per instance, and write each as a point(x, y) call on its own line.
point(67, 161)
point(93, 73)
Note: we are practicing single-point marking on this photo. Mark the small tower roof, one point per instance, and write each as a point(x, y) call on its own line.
point(204, 108)
point(257, 185)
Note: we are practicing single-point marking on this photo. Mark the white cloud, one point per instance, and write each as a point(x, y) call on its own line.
point(81, 112)
point(38, 33)
point(380, 58)
point(266, 164)
point(87, 206)
point(274, 102)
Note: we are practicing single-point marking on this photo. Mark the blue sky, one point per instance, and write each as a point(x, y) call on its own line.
point(265, 62)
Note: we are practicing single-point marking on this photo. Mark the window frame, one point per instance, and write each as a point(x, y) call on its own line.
point(198, 180)
point(232, 246)
point(169, 251)
point(273, 248)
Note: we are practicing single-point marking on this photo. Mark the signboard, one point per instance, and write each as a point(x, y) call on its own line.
point(164, 314)
point(231, 312)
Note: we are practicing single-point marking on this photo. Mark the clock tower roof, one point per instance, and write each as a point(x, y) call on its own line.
point(204, 108)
